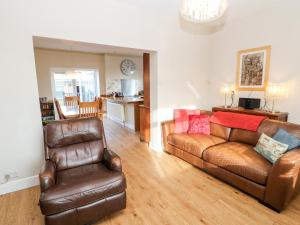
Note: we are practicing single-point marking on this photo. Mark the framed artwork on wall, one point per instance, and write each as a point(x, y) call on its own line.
point(253, 66)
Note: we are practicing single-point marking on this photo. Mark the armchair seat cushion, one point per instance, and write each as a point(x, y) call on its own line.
point(194, 144)
point(239, 159)
point(81, 186)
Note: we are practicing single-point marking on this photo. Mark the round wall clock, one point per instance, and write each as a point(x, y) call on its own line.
point(127, 67)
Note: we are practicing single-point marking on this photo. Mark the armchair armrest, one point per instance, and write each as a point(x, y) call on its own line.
point(47, 175)
point(112, 161)
point(284, 180)
point(167, 128)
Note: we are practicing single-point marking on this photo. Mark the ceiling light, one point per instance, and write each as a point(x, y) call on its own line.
point(72, 74)
point(203, 11)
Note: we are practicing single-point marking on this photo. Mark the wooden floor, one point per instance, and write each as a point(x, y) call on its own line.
point(162, 190)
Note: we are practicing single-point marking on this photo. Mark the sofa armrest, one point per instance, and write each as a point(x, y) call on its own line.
point(284, 180)
point(167, 128)
point(47, 175)
point(112, 161)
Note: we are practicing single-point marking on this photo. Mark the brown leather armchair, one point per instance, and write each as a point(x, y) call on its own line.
point(81, 181)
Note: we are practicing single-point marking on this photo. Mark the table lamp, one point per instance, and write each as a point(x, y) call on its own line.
point(275, 92)
point(226, 89)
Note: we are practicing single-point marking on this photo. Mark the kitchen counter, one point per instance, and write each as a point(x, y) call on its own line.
point(124, 110)
point(124, 100)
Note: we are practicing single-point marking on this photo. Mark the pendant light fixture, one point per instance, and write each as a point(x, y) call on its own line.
point(203, 11)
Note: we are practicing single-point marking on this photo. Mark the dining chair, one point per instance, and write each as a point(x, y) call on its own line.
point(72, 101)
point(88, 109)
point(58, 108)
point(101, 112)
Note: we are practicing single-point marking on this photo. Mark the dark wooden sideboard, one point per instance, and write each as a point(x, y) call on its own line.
point(281, 116)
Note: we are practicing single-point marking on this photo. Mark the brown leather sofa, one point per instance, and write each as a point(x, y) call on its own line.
point(228, 154)
point(82, 181)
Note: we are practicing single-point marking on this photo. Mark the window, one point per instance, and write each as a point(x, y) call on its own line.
point(83, 83)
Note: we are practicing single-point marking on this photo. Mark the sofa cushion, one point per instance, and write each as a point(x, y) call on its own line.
point(285, 137)
point(220, 131)
point(181, 118)
point(269, 148)
point(74, 131)
point(244, 136)
point(270, 127)
point(81, 186)
point(77, 155)
point(193, 143)
point(239, 159)
point(199, 124)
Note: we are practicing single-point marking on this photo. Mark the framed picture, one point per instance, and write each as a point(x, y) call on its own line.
point(253, 67)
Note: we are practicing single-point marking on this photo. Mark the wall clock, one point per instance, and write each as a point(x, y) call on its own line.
point(127, 67)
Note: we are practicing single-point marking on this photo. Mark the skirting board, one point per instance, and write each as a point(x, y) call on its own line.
point(115, 119)
point(19, 184)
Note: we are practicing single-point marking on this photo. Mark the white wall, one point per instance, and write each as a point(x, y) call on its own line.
point(151, 25)
point(114, 75)
point(46, 60)
point(187, 70)
point(277, 25)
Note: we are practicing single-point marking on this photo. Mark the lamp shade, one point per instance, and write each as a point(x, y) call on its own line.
point(227, 88)
point(203, 11)
point(275, 90)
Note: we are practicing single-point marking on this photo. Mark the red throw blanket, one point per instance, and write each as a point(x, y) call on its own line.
point(237, 120)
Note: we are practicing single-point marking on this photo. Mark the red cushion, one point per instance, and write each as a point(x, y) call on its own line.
point(199, 124)
point(181, 117)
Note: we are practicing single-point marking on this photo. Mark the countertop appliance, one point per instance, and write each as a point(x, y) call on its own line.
point(128, 87)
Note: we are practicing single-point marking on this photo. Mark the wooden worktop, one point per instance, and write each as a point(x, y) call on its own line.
point(124, 100)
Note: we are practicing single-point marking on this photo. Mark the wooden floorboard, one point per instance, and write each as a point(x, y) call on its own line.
point(161, 190)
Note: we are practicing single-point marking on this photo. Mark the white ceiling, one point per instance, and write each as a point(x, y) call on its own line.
point(237, 10)
point(67, 45)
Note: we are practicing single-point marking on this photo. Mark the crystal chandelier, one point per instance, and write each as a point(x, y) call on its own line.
point(203, 11)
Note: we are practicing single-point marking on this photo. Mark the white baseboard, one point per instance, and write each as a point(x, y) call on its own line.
point(115, 119)
point(19, 184)
point(130, 126)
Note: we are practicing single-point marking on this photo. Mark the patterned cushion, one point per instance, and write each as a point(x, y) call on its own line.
point(270, 148)
point(286, 138)
point(199, 124)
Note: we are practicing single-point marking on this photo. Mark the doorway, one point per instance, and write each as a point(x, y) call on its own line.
point(98, 76)
point(75, 82)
